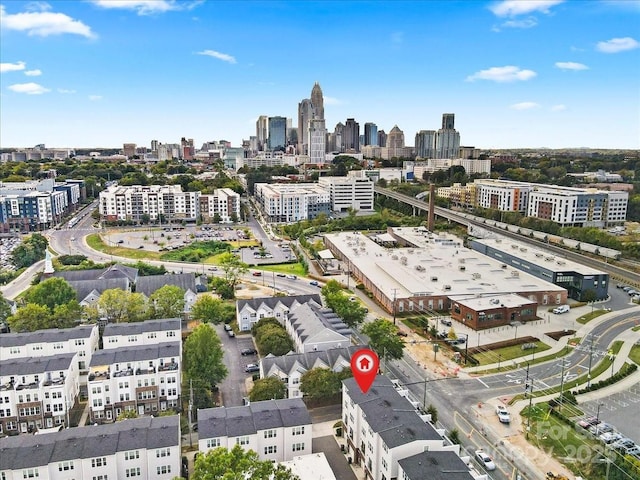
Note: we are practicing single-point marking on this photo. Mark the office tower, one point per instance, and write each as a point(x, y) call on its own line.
point(448, 121)
point(351, 136)
point(309, 109)
point(129, 149)
point(335, 139)
point(187, 150)
point(447, 138)
point(426, 144)
point(395, 139)
point(370, 134)
point(317, 140)
point(382, 138)
point(277, 133)
point(317, 102)
point(292, 136)
point(262, 131)
point(154, 146)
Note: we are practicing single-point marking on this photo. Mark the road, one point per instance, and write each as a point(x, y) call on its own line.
point(233, 387)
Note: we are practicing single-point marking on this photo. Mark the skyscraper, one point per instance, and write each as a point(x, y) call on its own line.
point(262, 131)
point(277, 133)
point(426, 144)
point(447, 138)
point(310, 109)
point(448, 121)
point(370, 134)
point(395, 139)
point(317, 102)
point(382, 138)
point(351, 136)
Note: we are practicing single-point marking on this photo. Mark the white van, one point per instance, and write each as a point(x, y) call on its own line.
point(561, 309)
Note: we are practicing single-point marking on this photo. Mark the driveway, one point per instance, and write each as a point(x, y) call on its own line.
point(233, 387)
point(337, 460)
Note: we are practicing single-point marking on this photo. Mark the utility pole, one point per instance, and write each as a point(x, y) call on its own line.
point(590, 359)
point(530, 412)
point(190, 412)
point(562, 385)
point(395, 291)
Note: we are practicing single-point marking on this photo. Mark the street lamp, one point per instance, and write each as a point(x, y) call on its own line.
point(600, 404)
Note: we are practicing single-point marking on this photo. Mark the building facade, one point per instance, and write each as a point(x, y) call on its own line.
point(291, 203)
point(251, 311)
point(350, 192)
point(223, 205)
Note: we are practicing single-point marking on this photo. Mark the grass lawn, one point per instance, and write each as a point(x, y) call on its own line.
point(287, 268)
point(590, 316)
point(635, 354)
point(95, 241)
point(508, 353)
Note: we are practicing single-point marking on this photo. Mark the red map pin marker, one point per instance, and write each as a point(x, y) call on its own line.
point(364, 365)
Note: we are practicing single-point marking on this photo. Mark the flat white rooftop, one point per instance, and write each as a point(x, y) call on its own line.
point(551, 262)
point(310, 466)
point(440, 265)
point(486, 302)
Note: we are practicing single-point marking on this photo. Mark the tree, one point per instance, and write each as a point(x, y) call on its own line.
point(30, 318)
point(208, 309)
point(274, 339)
point(29, 251)
point(67, 315)
point(322, 383)
point(267, 389)
point(5, 308)
point(127, 414)
point(233, 269)
point(51, 293)
point(167, 302)
point(120, 306)
point(238, 464)
point(203, 356)
point(352, 313)
point(384, 339)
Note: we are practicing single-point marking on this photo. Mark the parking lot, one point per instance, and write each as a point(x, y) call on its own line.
point(7, 245)
point(620, 410)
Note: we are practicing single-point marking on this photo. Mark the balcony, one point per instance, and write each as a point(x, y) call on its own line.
point(27, 386)
point(168, 367)
point(99, 376)
point(54, 381)
point(123, 373)
point(145, 371)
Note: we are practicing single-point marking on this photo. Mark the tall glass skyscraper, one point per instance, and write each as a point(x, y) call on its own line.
point(277, 133)
point(370, 134)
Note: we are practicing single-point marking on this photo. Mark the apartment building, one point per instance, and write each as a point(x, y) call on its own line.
point(143, 378)
point(222, 206)
point(277, 430)
point(37, 392)
point(382, 427)
point(315, 328)
point(437, 465)
point(250, 311)
point(286, 203)
point(149, 332)
point(82, 340)
point(165, 202)
point(136, 448)
point(351, 192)
point(290, 368)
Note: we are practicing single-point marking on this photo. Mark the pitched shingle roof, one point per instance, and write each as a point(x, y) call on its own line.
point(29, 451)
point(135, 354)
point(149, 284)
point(84, 287)
point(316, 324)
point(160, 325)
point(335, 359)
point(52, 335)
point(435, 465)
point(272, 302)
point(36, 365)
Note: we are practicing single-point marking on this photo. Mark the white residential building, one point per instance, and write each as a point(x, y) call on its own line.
point(223, 202)
point(501, 195)
point(277, 430)
point(281, 202)
point(150, 332)
point(382, 427)
point(351, 192)
point(250, 311)
point(314, 328)
point(82, 340)
point(290, 367)
point(37, 392)
point(136, 448)
point(132, 202)
point(144, 378)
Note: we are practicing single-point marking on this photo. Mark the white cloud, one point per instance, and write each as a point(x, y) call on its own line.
point(95, 98)
point(65, 90)
point(147, 7)
point(571, 66)
point(43, 23)
point(220, 56)
point(331, 101)
point(558, 108)
point(33, 73)
point(616, 45)
point(28, 88)
point(524, 106)
point(524, 23)
point(513, 8)
point(12, 67)
point(505, 74)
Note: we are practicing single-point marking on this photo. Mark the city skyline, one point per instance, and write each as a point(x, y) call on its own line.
point(516, 74)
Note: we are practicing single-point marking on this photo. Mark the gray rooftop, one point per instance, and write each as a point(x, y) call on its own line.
point(84, 287)
point(435, 465)
point(390, 414)
point(306, 361)
point(29, 451)
point(135, 354)
point(52, 335)
point(160, 325)
point(249, 419)
point(36, 365)
point(149, 284)
point(272, 302)
point(314, 323)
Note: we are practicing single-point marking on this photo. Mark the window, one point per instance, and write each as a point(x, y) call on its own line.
point(242, 440)
point(65, 466)
point(269, 433)
point(297, 430)
point(99, 462)
point(163, 469)
point(163, 452)
point(298, 447)
point(213, 442)
point(270, 449)
point(30, 473)
point(132, 455)
point(132, 472)
point(100, 477)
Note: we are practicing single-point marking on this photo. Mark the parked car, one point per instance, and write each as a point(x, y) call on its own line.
point(485, 460)
point(442, 335)
point(623, 444)
point(561, 309)
point(280, 275)
point(610, 437)
point(503, 414)
point(601, 428)
point(314, 283)
point(227, 327)
point(257, 274)
point(231, 333)
point(446, 321)
point(588, 422)
point(248, 351)
point(634, 451)
point(400, 333)
point(292, 277)
point(252, 367)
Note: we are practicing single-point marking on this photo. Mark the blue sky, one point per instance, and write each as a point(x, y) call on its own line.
point(98, 73)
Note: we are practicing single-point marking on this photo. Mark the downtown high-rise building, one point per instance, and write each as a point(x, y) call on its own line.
point(351, 136)
point(382, 138)
point(370, 134)
point(262, 131)
point(311, 123)
point(277, 138)
point(447, 138)
point(425, 144)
